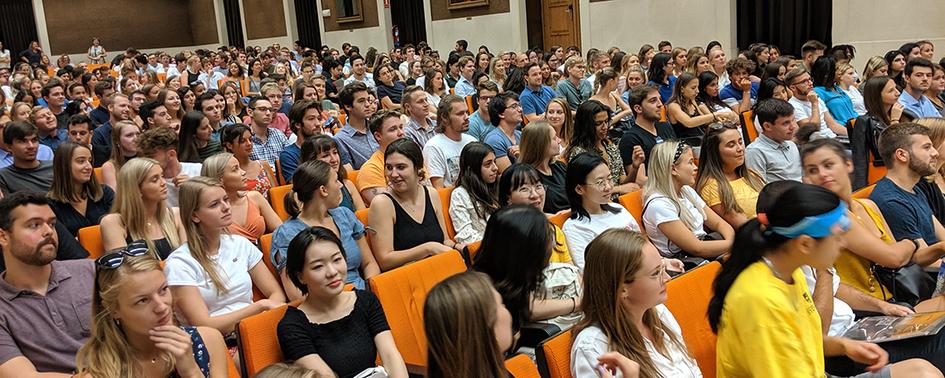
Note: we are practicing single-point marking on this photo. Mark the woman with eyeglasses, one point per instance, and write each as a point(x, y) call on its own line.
point(590, 192)
point(134, 331)
point(522, 184)
point(674, 216)
point(725, 183)
point(591, 125)
point(624, 290)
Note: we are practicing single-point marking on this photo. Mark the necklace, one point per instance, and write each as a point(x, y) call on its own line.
point(773, 271)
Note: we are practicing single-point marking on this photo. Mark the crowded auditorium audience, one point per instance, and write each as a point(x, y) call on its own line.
point(665, 211)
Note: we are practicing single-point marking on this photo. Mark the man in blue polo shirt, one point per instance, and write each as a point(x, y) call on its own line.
point(734, 94)
point(918, 78)
point(535, 96)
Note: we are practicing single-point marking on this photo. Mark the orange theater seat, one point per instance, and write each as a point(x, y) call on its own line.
point(362, 216)
point(633, 202)
point(520, 366)
point(99, 176)
point(353, 176)
point(279, 173)
point(554, 356)
point(402, 292)
point(277, 199)
point(748, 127)
point(558, 219)
point(864, 192)
point(258, 342)
point(688, 299)
point(91, 239)
point(265, 244)
point(445, 207)
point(473, 249)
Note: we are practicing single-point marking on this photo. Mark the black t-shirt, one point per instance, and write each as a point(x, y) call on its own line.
point(346, 345)
point(638, 136)
point(33, 57)
point(94, 211)
point(935, 198)
point(394, 92)
point(556, 196)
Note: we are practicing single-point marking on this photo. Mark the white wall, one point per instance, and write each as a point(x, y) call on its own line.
point(875, 26)
point(501, 32)
point(379, 36)
point(685, 23)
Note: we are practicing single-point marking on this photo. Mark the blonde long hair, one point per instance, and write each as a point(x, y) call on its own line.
point(614, 257)
point(214, 166)
point(107, 353)
point(130, 205)
point(118, 158)
point(534, 144)
point(660, 181)
point(190, 192)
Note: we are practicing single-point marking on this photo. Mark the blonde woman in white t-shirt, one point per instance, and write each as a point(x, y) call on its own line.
point(674, 215)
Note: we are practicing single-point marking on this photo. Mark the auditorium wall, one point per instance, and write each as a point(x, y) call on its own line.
point(875, 26)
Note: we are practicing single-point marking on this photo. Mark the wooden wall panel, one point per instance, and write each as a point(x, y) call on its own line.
point(368, 12)
point(439, 10)
point(264, 18)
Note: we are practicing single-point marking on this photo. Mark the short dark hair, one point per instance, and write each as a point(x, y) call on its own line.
point(156, 139)
point(198, 105)
point(102, 86)
point(146, 110)
point(55, 83)
point(497, 106)
point(811, 46)
point(739, 64)
point(910, 65)
point(663, 44)
point(771, 109)
point(18, 130)
point(529, 66)
point(298, 110)
point(80, 118)
point(377, 120)
point(355, 57)
point(15, 200)
point(346, 96)
point(253, 100)
point(638, 95)
point(462, 43)
point(894, 137)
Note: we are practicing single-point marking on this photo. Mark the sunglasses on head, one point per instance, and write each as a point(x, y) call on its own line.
point(116, 257)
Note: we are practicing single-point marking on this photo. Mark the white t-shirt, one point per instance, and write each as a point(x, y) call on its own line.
point(659, 209)
point(234, 260)
point(4, 53)
point(592, 342)
point(803, 110)
point(189, 169)
point(843, 316)
point(441, 156)
point(580, 232)
point(857, 98)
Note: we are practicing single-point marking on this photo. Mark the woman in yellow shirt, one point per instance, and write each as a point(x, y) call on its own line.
point(762, 311)
point(725, 183)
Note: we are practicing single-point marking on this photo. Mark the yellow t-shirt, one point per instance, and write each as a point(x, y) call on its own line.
point(371, 174)
point(745, 195)
point(856, 271)
point(769, 328)
point(560, 253)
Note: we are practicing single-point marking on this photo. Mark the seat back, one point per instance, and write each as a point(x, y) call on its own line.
point(554, 356)
point(99, 176)
point(469, 105)
point(874, 173)
point(279, 173)
point(864, 192)
point(472, 249)
point(445, 207)
point(633, 202)
point(362, 216)
point(277, 199)
point(688, 299)
point(265, 244)
point(520, 366)
point(749, 132)
point(231, 370)
point(402, 292)
point(91, 239)
point(353, 176)
point(258, 342)
point(558, 219)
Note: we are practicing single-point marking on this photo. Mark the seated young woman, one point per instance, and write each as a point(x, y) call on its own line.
point(124, 135)
point(134, 333)
point(196, 142)
point(469, 330)
point(539, 148)
point(674, 216)
point(317, 190)
point(76, 196)
point(521, 184)
point(323, 147)
point(624, 290)
point(237, 140)
point(140, 211)
point(521, 277)
point(686, 114)
point(725, 183)
point(591, 125)
point(869, 241)
point(590, 187)
point(761, 309)
point(474, 198)
point(333, 332)
point(213, 274)
point(251, 212)
point(408, 220)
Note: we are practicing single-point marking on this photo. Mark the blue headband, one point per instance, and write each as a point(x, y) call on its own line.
point(817, 226)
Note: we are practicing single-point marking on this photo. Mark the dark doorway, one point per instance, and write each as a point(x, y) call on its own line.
point(533, 22)
point(18, 27)
point(407, 16)
point(306, 19)
point(785, 23)
point(234, 23)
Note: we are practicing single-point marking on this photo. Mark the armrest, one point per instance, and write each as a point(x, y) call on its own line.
point(533, 334)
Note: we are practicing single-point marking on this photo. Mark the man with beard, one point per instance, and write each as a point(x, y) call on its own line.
point(119, 109)
point(27, 173)
point(45, 303)
point(909, 156)
point(441, 153)
point(306, 121)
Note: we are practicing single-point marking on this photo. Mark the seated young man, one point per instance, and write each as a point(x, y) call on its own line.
point(386, 127)
point(741, 93)
point(647, 130)
point(773, 155)
point(441, 153)
point(46, 307)
point(161, 144)
point(43, 153)
point(27, 173)
point(305, 120)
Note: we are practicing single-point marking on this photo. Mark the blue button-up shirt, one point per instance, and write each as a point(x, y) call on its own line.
point(464, 88)
point(921, 107)
point(355, 147)
point(535, 101)
point(53, 140)
point(271, 148)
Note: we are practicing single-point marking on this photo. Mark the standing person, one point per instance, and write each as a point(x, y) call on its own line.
point(761, 307)
point(97, 53)
point(442, 152)
point(134, 327)
point(4, 57)
point(333, 331)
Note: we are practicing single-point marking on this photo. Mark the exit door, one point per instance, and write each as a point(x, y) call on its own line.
point(561, 23)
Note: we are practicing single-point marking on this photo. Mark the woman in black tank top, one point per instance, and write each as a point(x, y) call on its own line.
point(400, 237)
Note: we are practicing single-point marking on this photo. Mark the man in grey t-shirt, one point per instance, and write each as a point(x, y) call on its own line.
point(27, 173)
